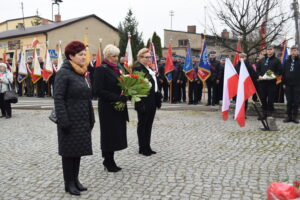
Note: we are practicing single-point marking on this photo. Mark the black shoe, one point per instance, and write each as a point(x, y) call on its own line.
point(2, 116)
point(262, 117)
point(145, 152)
point(286, 120)
point(151, 151)
point(190, 103)
point(208, 104)
point(296, 121)
point(213, 104)
point(8, 116)
point(109, 166)
point(71, 188)
point(79, 186)
point(165, 100)
point(195, 103)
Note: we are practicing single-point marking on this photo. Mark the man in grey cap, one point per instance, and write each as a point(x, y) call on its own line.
point(267, 87)
point(291, 84)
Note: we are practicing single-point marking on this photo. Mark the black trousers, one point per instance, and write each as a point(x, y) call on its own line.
point(183, 91)
point(41, 88)
point(193, 92)
point(5, 106)
point(209, 88)
point(293, 100)
point(164, 87)
point(71, 167)
point(267, 94)
point(144, 129)
point(175, 91)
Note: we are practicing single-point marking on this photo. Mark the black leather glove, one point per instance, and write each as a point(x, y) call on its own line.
point(140, 107)
point(123, 99)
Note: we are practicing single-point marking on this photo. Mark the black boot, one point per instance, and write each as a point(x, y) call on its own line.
point(109, 163)
point(144, 151)
point(79, 186)
point(295, 114)
point(151, 151)
point(68, 172)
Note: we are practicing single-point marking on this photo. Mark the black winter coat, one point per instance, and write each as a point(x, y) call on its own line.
point(74, 111)
point(273, 65)
point(112, 122)
point(291, 77)
point(250, 69)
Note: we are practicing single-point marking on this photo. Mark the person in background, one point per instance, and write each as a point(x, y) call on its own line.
point(163, 82)
point(6, 81)
point(291, 84)
point(41, 85)
point(28, 80)
point(268, 87)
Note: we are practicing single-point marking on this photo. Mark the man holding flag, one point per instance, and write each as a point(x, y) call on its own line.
point(291, 84)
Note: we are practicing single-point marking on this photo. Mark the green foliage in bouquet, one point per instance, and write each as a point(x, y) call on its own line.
point(134, 86)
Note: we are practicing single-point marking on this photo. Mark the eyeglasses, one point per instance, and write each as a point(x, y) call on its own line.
point(147, 57)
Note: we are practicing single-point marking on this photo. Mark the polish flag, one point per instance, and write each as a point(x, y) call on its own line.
point(230, 85)
point(245, 90)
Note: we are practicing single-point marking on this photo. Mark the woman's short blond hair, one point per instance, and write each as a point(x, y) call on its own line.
point(142, 52)
point(111, 50)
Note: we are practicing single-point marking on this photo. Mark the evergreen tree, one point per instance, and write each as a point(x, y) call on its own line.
point(157, 44)
point(129, 26)
point(36, 21)
point(148, 43)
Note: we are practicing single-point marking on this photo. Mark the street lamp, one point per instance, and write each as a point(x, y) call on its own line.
point(57, 2)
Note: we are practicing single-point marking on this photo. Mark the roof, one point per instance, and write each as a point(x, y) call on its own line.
point(24, 18)
point(48, 27)
point(182, 32)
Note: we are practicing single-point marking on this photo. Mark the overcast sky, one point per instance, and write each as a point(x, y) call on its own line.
point(152, 15)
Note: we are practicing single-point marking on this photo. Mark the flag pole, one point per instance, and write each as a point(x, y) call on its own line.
point(171, 91)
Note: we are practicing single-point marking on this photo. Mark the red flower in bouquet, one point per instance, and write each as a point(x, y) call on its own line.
point(134, 86)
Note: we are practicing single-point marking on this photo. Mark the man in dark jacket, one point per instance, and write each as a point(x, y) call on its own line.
point(212, 80)
point(291, 84)
point(176, 80)
point(268, 86)
point(163, 83)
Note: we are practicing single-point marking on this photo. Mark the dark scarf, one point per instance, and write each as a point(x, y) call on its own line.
point(112, 66)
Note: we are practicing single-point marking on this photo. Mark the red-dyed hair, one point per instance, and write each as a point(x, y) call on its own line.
point(73, 48)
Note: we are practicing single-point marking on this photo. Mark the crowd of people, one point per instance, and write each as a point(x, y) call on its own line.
point(73, 90)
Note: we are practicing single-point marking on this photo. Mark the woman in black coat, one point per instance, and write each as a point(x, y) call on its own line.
point(146, 108)
point(112, 122)
point(75, 115)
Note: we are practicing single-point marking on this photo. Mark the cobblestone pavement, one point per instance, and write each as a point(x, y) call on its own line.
point(199, 157)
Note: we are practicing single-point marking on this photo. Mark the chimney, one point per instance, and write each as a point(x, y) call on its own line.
point(191, 29)
point(44, 21)
point(57, 18)
point(225, 34)
point(20, 26)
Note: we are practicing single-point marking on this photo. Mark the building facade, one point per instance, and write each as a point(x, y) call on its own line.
point(91, 26)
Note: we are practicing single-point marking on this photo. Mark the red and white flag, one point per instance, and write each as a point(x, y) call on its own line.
point(245, 90)
point(60, 60)
point(128, 58)
point(230, 86)
point(48, 67)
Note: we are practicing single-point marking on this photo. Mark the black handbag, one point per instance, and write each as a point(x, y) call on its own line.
point(52, 116)
point(11, 94)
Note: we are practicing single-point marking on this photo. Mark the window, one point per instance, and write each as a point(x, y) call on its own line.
point(182, 43)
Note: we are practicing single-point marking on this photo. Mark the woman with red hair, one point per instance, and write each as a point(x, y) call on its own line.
point(75, 115)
